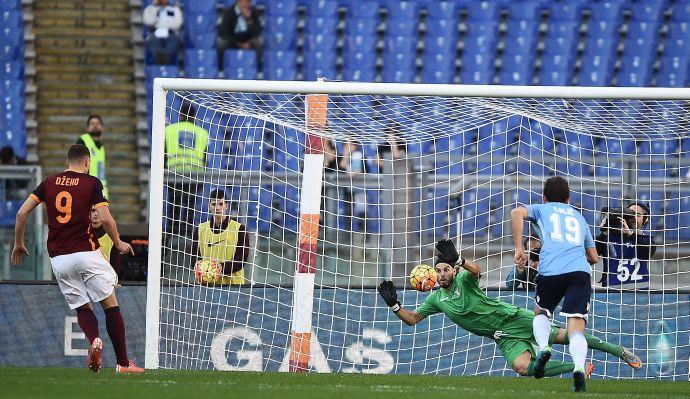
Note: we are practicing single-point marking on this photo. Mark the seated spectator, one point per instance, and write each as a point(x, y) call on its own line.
point(240, 28)
point(164, 21)
point(8, 157)
point(15, 189)
point(524, 275)
point(394, 144)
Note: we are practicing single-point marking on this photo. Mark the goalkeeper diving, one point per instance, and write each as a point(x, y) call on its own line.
point(462, 300)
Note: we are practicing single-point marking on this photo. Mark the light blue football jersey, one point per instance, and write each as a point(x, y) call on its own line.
point(564, 235)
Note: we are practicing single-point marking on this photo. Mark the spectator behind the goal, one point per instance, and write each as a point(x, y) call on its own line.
point(222, 239)
point(240, 28)
point(522, 276)
point(163, 22)
point(15, 189)
point(92, 140)
point(625, 247)
point(185, 154)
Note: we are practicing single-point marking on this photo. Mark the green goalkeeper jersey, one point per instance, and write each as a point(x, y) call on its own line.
point(468, 307)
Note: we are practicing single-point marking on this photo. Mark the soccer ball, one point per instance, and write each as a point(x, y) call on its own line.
point(423, 278)
point(207, 271)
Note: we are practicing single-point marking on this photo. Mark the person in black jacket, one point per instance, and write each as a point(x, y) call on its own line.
point(240, 28)
point(625, 248)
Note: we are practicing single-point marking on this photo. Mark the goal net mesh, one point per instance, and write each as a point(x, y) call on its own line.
point(399, 174)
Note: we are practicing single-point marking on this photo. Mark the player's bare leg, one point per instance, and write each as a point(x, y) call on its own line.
point(89, 325)
point(525, 364)
point(116, 330)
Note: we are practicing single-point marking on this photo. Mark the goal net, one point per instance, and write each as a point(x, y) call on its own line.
point(340, 186)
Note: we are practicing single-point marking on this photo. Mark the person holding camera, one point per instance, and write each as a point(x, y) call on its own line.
point(522, 277)
point(164, 21)
point(625, 248)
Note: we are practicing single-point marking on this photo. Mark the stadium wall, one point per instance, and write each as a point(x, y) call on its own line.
point(249, 329)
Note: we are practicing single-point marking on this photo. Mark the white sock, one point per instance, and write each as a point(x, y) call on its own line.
point(578, 350)
point(541, 327)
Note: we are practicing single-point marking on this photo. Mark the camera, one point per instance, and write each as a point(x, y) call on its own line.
point(613, 217)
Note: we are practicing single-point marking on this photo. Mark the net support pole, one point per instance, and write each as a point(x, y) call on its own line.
point(310, 209)
point(153, 283)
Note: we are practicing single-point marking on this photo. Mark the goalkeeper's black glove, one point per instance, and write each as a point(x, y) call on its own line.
point(447, 253)
point(389, 295)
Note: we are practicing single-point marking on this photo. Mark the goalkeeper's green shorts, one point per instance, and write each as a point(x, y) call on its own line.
point(516, 336)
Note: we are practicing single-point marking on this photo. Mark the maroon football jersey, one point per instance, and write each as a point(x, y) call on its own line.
point(68, 197)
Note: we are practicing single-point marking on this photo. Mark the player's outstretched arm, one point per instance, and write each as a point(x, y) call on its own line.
point(110, 227)
point(19, 249)
point(390, 296)
point(517, 219)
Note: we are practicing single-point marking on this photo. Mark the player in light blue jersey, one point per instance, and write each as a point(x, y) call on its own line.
point(567, 251)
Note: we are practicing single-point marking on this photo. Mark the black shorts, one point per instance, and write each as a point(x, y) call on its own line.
point(575, 287)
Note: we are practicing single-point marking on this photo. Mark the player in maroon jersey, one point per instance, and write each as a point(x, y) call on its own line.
point(82, 272)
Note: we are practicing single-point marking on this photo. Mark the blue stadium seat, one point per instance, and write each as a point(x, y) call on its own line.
point(280, 65)
point(475, 213)
point(201, 63)
point(673, 72)
point(12, 70)
point(401, 9)
point(247, 144)
point(641, 39)
point(359, 67)
point(556, 70)
point(525, 10)
point(648, 10)
point(259, 209)
point(602, 29)
point(319, 64)
point(437, 74)
point(656, 200)
point(198, 6)
point(359, 43)
point(8, 212)
point(681, 11)
point(239, 64)
point(449, 153)
point(482, 11)
point(364, 9)
point(322, 9)
point(634, 76)
point(281, 8)
point(395, 74)
point(521, 37)
point(321, 26)
point(10, 4)
point(218, 149)
point(360, 27)
point(562, 38)
point(564, 11)
point(481, 37)
point(400, 44)
point(585, 203)
point(445, 28)
point(200, 26)
point(402, 27)
point(442, 10)
point(677, 41)
point(11, 44)
point(288, 148)
point(658, 147)
point(516, 69)
point(677, 216)
point(11, 19)
point(438, 44)
point(606, 10)
point(652, 166)
point(281, 32)
point(596, 70)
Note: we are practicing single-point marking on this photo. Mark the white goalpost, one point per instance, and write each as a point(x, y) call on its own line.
point(341, 185)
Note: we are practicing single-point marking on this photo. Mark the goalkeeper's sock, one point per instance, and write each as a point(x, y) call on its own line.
point(552, 368)
point(116, 330)
point(578, 350)
point(598, 344)
point(88, 323)
point(541, 327)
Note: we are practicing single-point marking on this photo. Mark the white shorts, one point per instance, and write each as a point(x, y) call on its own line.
point(84, 275)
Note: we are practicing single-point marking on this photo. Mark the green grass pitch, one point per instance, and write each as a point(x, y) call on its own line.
point(55, 383)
